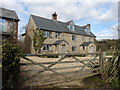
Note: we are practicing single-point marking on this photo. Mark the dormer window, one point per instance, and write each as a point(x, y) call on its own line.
point(87, 29)
point(71, 26)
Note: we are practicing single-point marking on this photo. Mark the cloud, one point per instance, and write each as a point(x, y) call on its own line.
point(77, 10)
point(66, 10)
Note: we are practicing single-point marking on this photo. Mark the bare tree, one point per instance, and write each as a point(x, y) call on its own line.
point(23, 29)
point(116, 31)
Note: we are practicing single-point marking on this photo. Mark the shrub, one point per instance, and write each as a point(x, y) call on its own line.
point(10, 62)
point(112, 69)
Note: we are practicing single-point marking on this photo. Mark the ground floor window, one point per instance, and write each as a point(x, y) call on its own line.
point(73, 48)
point(47, 47)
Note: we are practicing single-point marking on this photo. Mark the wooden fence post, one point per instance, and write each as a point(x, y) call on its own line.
point(101, 62)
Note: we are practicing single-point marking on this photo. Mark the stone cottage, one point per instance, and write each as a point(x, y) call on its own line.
point(8, 24)
point(60, 37)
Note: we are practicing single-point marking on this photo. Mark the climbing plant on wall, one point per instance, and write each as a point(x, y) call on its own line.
point(38, 40)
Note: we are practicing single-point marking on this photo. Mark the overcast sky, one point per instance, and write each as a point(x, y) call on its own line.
point(102, 15)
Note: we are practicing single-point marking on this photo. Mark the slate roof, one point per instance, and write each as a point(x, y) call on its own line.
point(58, 42)
point(86, 44)
point(58, 26)
point(10, 14)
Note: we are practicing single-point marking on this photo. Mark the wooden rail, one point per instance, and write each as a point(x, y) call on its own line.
point(86, 67)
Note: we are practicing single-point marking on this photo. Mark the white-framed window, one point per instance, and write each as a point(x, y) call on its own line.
point(47, 47)
point(73, 48)
point(83, 38)
point(71, 26)
point(90, 39)
point(3, 25)
point(57, 34)
point(7, 26)
point(73, 37)
point(46, 34)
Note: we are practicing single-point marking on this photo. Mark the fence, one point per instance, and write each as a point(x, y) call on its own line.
point(66, 68)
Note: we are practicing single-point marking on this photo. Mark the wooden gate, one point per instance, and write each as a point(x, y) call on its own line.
point(68, 67)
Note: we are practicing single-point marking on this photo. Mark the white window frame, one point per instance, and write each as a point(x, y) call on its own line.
point(73, 37)
point(57, 34)
point(83, 39)
point(71, 27)
point(46, 34)
point(3, 25)
point(73, 48)
point(90, 39)
point(47, 47)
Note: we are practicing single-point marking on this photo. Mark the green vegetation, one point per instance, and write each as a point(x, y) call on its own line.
point(95, 82)
point(107, 44)
point(112, 69)
point(10, 63)
point(38, 40)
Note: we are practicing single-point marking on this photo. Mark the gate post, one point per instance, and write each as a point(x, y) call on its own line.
point(101, 63)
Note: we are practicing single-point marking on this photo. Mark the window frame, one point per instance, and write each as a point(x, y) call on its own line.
point(90, 39)
point(47, 47)
point(4, 25)
point(83, 39)
point(74, 37)
point(74, 48)
point(46, 34)
point(57, 34)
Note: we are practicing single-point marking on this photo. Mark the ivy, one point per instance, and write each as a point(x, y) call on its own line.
point(38, 40)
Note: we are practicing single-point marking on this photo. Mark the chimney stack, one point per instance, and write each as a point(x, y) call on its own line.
point(88, 28)
point(54, 16)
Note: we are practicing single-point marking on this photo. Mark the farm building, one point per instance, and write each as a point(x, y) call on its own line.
point(59, 37)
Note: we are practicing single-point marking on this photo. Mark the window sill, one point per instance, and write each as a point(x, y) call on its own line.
point(74, 40)
point(47, 50)
point(57, 38)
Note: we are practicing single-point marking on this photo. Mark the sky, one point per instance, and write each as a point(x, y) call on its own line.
point(102, 15)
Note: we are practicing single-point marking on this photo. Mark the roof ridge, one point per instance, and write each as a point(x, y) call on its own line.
point(47, 18)
point(7, 9)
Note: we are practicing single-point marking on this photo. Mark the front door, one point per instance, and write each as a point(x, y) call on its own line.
point(63, 49)
point(92, 49)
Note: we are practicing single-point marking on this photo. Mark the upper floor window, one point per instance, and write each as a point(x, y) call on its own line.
point(7, 26)
point(73, 37)
point(73, 48)
point(57, 34)
point(3, 25)
point(47, 47)
point(90, 39)
point(46, 34)
point(71, 25)
point(83, 38)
